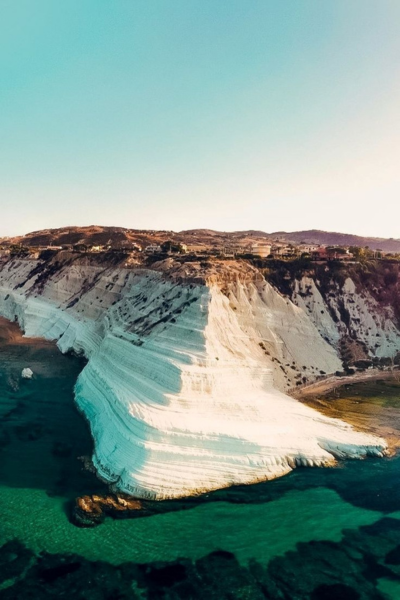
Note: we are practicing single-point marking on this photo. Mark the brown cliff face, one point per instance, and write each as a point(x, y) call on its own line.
point(183, 269)
point(207, 272)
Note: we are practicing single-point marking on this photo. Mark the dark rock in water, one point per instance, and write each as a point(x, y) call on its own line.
point(223, 554)
point(14, 559)
point(61, 450)
point(223, 577)
point(70, 576)
point(324, 570)
point(335, 592)
point(90, 511)
point(314, 571)
point(30, 432)
point(4, 439)
point(393, 557)
point(217, 576)
point(165, 576)
point(49, 574)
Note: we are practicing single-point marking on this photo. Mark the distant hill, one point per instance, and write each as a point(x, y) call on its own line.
point(121, 236)
point(93, 235)
point(314, 236)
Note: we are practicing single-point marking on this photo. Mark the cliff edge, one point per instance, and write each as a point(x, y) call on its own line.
point(187, 370)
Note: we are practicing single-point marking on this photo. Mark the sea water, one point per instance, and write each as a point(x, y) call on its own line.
point(316, 533)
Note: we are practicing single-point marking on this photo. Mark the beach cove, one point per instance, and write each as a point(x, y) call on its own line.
point(352, 511)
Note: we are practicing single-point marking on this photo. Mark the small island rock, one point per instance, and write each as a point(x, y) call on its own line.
point(27, 373)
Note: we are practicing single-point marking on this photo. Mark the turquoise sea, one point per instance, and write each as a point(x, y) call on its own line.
point(315, 534)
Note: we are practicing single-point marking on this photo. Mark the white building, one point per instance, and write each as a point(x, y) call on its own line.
point(309, 248)
point(261, 250)
point(152, 249)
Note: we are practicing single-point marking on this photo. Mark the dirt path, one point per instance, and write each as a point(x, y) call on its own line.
point(327, 385)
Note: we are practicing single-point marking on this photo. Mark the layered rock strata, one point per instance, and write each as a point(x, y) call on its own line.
point(185, 383)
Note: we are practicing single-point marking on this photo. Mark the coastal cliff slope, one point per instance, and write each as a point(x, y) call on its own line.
point(184, 388)
point(349, 311)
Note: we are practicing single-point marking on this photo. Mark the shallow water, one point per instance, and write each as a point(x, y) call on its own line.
point(317, 533)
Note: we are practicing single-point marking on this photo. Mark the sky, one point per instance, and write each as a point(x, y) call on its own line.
point(177, 114)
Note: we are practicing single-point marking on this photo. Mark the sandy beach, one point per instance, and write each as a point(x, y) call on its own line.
point(369, 402)
point(11, 334)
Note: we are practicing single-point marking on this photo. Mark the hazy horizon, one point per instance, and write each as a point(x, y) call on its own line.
point(272, 116)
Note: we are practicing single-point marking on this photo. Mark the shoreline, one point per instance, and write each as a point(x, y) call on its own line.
point(12, 334)
point(369, 402)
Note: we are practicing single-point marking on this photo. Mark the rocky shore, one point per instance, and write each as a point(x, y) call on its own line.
point(90, 511)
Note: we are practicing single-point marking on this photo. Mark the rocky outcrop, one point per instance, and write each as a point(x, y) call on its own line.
point(90, 511)
point(185, 383)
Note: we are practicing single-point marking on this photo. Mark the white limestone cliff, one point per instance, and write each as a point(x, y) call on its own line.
point(184, 385)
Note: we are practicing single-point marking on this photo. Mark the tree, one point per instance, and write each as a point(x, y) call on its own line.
point(170, 246)
point(357, 252)
point(18, 250)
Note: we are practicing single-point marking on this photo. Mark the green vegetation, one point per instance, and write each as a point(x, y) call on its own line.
point(17, 250)
point(282, 273)
point(170, 246)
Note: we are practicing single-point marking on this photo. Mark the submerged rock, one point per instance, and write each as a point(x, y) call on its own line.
point(61, 449)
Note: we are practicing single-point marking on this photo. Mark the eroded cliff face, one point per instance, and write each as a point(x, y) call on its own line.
point(360, 321)
point(185, 383)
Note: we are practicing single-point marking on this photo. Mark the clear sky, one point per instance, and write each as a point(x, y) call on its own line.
point(225, 114)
